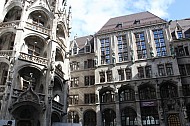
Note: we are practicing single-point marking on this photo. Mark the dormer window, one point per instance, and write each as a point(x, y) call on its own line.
point(119, 25)
point(87, 48)
point(179, 34)
point(75, 49)
point(136, 22)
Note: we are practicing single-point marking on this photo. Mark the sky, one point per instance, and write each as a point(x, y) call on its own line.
point(88, 16)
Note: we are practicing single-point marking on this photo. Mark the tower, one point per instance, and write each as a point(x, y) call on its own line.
point(33, 61)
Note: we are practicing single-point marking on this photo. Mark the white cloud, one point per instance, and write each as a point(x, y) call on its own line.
point(88, 16)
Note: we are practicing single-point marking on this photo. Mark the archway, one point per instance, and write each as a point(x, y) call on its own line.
point(90, 118)
point(26, 115)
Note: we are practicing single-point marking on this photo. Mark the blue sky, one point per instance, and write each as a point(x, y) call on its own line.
point(88, 16)
point(179, 9)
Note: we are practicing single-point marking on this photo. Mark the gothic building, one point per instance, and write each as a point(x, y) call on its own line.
point(34, 65)
point(141, 73)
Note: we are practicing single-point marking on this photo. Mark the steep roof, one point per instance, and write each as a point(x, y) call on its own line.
point(183, 23)
point(131, 21)
point(81, 41)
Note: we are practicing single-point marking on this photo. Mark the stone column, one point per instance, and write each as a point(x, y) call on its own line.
point(117, 109)
point(98, 110)
point(138, 110)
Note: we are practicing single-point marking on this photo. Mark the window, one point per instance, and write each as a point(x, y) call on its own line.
point(121, 74)
point(128, 73)
point(128, 117)
point(75, 82)
point(89, 98)
point(182, 70)
point(75, 49)
point(141, 45)
point(4, 77)
point(122, 48)
point(107, 96)
point(186, 89)
point(90, 118)
point(188, 68)
point(89, 80)
point(148, 71)
point(188, 111)
point(146, 93)
point(89, 64)
point(179, 34)
point(102, 77)
point(108, 118)
point(87, 48)
point(168, 91)
point(173, 120)
point(109, 75)
point(160, 42)
point(182, 51)
point(169, 69)
point(105, 51)
point(127, 95)
point(74, 65)
point(150, 116)
point(73, 99)
point(161, 70)
point(140, 72)
point(33, 49)
point(73, 117)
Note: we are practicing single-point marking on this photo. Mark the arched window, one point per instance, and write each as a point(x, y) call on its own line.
point(73, 117)
point(107, 96)
point(146, 93)
point(173, 120)
point(127, 95)
point(149, 116)
point(90, 118)
point(57, 98)
point(168, 91)
point(109, 118)
point(128, 117)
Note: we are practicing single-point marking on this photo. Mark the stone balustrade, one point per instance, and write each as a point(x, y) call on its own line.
point(32, 58)
point(58, 106)
point(10, 24)
point(5, 53)
point(38, 28)
point(59, 72)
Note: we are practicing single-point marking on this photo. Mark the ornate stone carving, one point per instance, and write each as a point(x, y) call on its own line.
point(29, 95)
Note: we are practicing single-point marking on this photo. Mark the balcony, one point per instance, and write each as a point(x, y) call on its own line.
point(38, 28)
point(5, 53)
point(58, 106)
point(61, 43)
point(59, 72)
point(11, 24)
point(34, 59)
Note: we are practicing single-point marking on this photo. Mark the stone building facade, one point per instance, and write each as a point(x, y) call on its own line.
point(141, 73)
point(34, 65)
